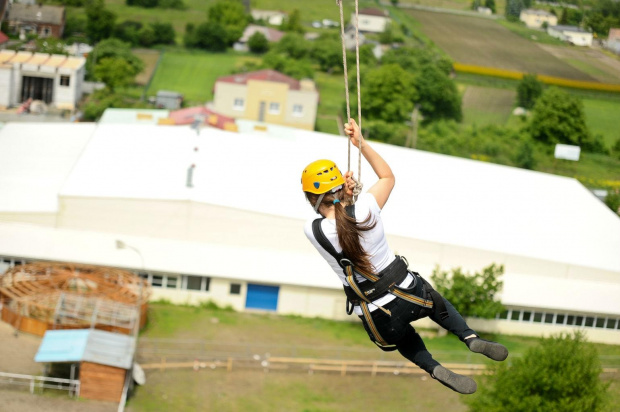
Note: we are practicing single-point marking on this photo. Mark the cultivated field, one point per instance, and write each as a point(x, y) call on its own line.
point(149, 57)
point(484, 42)
point(486, 105)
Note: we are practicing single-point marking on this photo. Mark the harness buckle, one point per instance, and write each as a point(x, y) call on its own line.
point(345, 262)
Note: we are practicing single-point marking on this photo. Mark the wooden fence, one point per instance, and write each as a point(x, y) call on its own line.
point(41, 382)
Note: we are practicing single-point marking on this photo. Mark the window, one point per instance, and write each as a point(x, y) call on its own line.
point(527, 316)
point(171, 282)
point(600, 322)
point(589, 321)
point(65, 80)
point(239, 104)
point(157, 280)
point(560, 319)
point(570, 320)
point(579, 320)
point(298, 110)
point(538, 317)
point(235, 289)
point(548, 317)
point(515, 315)
point(274, 108)
point(194, 283)
point(503, 315)
point(611, 323)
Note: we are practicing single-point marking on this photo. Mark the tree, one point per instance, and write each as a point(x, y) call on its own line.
point(327, 53)
point(490, 4)
point(113, 48)
point(473, 295)
point(115, 72)
point(294, 45)
point(50, 45)
point(231, 16)
point(209, 36)
point(99, 21)
point(127, 31)
point(394, 2)
point(558, 117)
point(388, 94)
point(258, 43)
point(528, 91)
point(437, 94)
point(562, 373)
point(612, 200)
point(293, 23)
point(296, 68)
point(164, 32)
point(513, 9)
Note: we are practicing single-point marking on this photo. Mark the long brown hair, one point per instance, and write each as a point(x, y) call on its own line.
point(348, 229)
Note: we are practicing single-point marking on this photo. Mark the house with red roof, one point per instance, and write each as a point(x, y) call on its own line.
point(267, 96)
point(3, 40)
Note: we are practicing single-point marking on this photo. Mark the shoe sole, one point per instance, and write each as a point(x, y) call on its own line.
point(493, 350)
point(454, 381)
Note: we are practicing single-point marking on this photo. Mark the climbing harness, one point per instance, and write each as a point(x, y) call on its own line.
point(358, 185)
point(378, 285)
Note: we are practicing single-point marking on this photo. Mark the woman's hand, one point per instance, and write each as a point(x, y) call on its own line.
point(352, 130)
point(349, 184)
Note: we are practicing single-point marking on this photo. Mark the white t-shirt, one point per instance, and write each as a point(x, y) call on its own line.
point(373, 242)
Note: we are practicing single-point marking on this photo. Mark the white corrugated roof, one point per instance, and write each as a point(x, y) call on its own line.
point(438, 198)
point(35, 160)
point(166, 255)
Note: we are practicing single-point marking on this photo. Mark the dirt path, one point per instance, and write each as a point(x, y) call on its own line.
point(17, 352)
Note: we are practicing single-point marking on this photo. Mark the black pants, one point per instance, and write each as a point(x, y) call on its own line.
point(397, 330)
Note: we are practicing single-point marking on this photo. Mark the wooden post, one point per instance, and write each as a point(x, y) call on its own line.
point(163, 363)
point(374, 369)
point(343, 371)
point(229, 365)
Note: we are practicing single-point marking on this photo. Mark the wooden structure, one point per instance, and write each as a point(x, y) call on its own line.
point(101, 382)
point(40, 296)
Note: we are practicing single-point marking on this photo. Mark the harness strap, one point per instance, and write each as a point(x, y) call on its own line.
point(378, 339)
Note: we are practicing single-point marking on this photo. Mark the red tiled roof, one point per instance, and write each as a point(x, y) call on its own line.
point(268, 75)
point(372, 12)
point(3, 38)
point(187, 116)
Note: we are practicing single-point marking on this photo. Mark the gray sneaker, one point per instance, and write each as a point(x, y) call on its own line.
point(454, 381)
point(493, 350)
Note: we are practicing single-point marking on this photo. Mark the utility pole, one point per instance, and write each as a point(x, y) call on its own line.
point(412, 137)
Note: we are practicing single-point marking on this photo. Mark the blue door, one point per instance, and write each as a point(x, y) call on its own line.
point(262, 297)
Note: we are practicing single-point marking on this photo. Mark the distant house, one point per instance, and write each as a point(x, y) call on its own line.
point(205, 115)
point(536, 18)
point(272, 36)
point(168, 100)
point(371, 20)
point(613, 41)
point(571, 34)
point(484, 10)
point(350, 38)
point(275, 18)
point(54, 79)
point(267, 96)
point(42, 20)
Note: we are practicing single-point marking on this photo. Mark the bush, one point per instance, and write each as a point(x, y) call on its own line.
point(528, 91)
point(562, 373)
point(258, 43)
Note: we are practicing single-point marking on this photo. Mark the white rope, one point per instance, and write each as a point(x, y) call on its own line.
point(358, 185)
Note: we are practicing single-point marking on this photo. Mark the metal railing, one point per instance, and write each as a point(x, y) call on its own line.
point(41, 382)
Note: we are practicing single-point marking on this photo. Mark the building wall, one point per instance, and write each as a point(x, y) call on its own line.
point(309, 101)
point(101, 382)
point(265, 94)
point(41, 219)
point(579, 39)
point(536, 20)
point(6, 82)
point(373, 24)
point(224, 99)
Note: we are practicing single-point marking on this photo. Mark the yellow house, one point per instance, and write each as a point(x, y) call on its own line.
point(267, 96)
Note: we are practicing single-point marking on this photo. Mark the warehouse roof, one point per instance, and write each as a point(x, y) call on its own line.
point(36, 160)
point(438, 198)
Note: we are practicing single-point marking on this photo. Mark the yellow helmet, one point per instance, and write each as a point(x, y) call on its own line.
point(320, 177)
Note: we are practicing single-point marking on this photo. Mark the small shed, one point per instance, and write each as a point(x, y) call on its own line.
point(103, 359)
point(166, 99)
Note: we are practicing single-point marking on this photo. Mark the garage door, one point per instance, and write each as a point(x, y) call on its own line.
point(262, 297)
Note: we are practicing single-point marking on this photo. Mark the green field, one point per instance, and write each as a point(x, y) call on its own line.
point(242, 390)
point(193, 73)
point(484, 42)
point(487, 105)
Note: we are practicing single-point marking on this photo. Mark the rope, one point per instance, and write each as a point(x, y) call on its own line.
point(358, 185)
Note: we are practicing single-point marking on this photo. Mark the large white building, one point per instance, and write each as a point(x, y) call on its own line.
point(219, 216)
point(571, 34)
point(52, 78)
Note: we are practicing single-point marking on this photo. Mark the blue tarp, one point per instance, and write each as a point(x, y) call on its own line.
point(62, 346)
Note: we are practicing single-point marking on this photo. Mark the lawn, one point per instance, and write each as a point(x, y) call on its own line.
point(242, 390)
point(484, 42)
point(451, 4)
point(487, 105)
point(603, 116)
point(193, 73)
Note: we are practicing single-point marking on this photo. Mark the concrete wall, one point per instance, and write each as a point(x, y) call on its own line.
point(309, 101)
point(373, 24)
point(6, 82)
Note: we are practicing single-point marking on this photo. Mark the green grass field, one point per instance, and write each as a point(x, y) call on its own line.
point(487, 105)
point(484, 42)
point(193, 73)
point(241, 390)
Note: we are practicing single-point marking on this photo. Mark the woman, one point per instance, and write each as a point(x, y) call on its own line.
point(385, 294)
